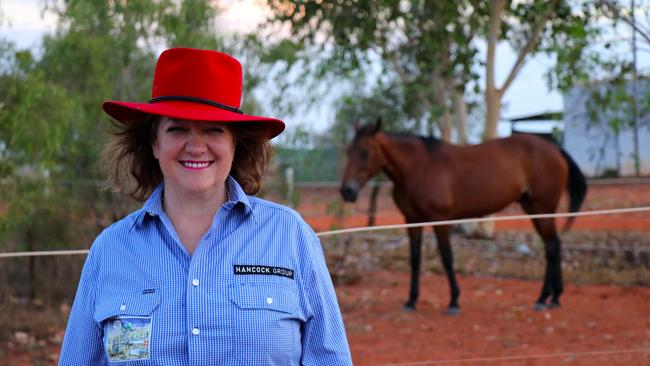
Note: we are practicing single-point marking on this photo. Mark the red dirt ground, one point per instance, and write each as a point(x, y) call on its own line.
point(597, 325)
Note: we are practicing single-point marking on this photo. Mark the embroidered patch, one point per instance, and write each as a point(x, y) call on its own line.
point(239, 269)
point(128, 338)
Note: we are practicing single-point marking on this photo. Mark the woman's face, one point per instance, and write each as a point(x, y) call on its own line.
point(194, 156)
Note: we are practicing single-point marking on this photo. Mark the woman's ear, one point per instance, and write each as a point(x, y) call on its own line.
point(154, 148)
point(153, 135)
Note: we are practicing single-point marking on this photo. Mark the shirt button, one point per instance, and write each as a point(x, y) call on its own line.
point(122, 307)
point(269, 300)
point(196, 331)
point(195, 282)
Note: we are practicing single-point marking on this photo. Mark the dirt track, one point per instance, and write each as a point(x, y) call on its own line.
point(497, 325)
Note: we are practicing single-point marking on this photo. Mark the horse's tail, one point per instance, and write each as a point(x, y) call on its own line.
point(577, 187)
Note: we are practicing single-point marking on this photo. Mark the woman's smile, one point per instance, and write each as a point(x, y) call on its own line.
point(196, 165)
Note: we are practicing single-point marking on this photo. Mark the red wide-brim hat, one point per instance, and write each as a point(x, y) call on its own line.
point(193, 84)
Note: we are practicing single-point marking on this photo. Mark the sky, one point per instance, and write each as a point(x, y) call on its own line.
point(527, 95)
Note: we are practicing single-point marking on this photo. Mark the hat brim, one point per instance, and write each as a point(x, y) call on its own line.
point(128, 112)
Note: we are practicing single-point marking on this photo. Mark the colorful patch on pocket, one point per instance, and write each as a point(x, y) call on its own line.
point(128, 338)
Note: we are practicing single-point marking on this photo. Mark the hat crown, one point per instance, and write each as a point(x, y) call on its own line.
point(203, 74)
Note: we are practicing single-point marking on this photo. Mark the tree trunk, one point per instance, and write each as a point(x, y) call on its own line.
point(460, 114)
point(445, 126)
point(493, 113)
point(492, 93)
point(441, 96)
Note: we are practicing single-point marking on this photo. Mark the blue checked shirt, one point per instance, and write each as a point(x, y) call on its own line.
point(256, 291)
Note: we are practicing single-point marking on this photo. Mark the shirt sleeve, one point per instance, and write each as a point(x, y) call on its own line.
point(82, 343)
point(324, 341)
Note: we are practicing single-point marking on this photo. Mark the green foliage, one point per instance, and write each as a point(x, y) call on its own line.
point(417, 44)
point(386, 101)
point(52, 128)
point(414, 43)
point(590, 59)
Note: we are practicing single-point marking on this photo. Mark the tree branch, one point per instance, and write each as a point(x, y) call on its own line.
point(611, 6)
point(530, 46)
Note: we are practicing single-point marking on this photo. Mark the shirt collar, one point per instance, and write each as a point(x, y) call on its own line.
point(237, 195)
point(153, 206)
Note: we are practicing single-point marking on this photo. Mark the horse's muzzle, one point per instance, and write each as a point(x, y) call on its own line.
point(350, 191)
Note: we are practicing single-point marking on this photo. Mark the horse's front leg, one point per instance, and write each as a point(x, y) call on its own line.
point(415, 240)
point(444, 248)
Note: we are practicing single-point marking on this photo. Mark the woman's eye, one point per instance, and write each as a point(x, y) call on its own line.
point(175, 129)
point(214, 130)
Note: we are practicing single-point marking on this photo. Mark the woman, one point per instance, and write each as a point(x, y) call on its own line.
point(204, 273)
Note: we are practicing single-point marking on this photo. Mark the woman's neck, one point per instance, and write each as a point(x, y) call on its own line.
point(191, 213)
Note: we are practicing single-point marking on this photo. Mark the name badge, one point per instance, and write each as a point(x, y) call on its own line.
point(239, 269)
point(128, 338)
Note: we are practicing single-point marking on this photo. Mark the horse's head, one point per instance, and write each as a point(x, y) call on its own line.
point(365, 159)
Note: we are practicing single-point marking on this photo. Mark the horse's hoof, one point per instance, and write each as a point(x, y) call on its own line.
point(409, 308)
point(540, 306)
point(453, 311)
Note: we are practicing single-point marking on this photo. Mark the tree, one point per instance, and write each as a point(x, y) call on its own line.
point(51, 124)
point(599, 62)
point(425, 47)
point(530, 27)
point(429, 48)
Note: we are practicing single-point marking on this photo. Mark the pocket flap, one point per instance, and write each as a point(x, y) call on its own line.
point(264, 296)
point(126, 304)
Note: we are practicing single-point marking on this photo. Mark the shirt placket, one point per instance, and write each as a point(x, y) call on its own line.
point(207, 321)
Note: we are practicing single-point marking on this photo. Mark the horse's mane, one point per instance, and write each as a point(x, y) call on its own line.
point(431, 143)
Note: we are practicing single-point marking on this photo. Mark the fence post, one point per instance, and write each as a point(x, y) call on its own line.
point(289, 179)
point(372, 208)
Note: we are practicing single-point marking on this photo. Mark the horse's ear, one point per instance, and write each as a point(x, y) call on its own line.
point(377, 125)
point(357, 124)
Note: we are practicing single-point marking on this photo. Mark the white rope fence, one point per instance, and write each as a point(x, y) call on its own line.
point(484, 219)
point(473, 360)
point(387, 227)
point(522, 357)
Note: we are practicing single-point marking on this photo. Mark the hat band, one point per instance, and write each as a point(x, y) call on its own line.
point(180, 98)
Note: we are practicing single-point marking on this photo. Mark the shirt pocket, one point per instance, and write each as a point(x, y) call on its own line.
point(127, 324)
point(137, 304)
point(266, 322)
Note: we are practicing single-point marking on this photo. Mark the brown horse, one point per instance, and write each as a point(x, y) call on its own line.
point(434, 180)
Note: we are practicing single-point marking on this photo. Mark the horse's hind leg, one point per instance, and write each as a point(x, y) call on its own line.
point(553, 283)
point(415, 240)
point(444, 247)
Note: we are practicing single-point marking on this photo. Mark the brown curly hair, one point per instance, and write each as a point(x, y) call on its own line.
point(130, 166)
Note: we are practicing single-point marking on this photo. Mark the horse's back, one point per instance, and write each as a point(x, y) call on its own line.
point(487, 177)
point(545, 167)
point(541, 157)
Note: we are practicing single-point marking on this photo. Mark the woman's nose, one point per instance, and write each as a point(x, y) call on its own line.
point(195, 144)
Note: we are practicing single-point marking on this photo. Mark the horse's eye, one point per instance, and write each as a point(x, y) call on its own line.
point(364, 154)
